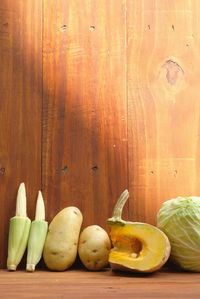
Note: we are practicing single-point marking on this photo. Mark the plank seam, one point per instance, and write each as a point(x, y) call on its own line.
point(126, 99)
point(42, 98)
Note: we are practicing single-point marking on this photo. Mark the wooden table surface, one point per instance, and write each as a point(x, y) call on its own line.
point(104, 284)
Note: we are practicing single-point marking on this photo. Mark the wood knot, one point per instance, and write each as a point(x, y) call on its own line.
point(174, 72)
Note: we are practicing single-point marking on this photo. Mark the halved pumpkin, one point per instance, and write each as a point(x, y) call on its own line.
point(137, 246)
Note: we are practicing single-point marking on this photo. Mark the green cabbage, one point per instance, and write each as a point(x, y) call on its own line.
point(179, 219)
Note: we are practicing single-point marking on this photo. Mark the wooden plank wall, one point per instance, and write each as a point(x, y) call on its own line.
point(85, 127)
point(163, 103)
point(97, 96)
point(20, 107)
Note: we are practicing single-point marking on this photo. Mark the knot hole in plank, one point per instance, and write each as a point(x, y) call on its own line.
point(174, 72)
point(172, 78)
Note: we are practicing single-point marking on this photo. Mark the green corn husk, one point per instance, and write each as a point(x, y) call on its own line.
point(18, 231)
point(37, 235)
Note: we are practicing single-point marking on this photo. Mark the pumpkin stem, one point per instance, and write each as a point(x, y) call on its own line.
point(117, 212)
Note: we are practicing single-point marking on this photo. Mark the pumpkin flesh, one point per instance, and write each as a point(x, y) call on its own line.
point(138, 247)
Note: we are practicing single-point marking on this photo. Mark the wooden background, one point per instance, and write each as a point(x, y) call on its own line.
point(97, 96)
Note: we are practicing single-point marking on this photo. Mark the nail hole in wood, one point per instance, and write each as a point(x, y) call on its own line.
point(95, 168)
point(65, 169)
point(92, 28)
point(63, 28)
point(173, 28)
point(2, 170)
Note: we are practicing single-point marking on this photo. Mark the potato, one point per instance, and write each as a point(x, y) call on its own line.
point(94, 246)
point(60, 249)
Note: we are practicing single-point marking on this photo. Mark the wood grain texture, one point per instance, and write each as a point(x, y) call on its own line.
point(163, 103)
point(20, 107)
point(104, 284)
point(84, 106)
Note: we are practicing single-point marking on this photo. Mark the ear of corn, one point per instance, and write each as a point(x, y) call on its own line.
point(37, 235)
point(18, 231)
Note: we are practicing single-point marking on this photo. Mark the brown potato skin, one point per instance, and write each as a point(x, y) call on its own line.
point(94, 247)
point(60, 249)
